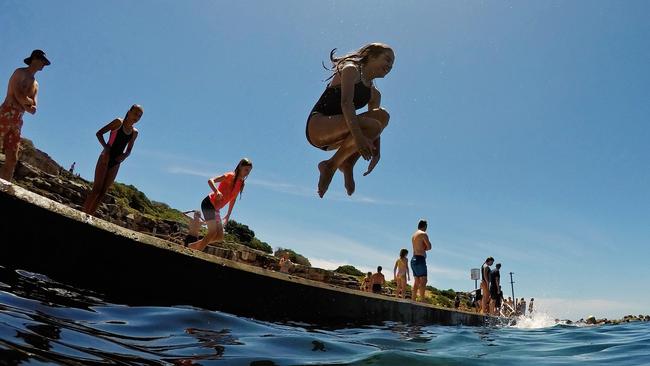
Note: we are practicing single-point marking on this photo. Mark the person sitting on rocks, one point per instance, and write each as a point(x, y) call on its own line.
point(193, 228)
point(116, 150)
point(285, 263)
point(377, 281)
point(365, 284)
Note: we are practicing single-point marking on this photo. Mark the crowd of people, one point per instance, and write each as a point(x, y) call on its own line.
point(333, 124)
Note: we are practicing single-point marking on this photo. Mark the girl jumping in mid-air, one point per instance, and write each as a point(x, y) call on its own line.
point(334, 124)
point(230, 186)
point(122, 136)
point(401, 273)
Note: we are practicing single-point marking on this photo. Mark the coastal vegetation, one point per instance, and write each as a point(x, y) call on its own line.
point(349, 270)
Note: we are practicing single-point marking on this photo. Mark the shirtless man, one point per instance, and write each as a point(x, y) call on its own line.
point(193, 228)
point(421, 244)
point(377, 281)
point(21, 98)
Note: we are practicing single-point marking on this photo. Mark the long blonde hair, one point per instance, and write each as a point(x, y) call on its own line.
point(358, 57)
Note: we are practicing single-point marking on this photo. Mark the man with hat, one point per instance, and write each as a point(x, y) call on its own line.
point(21, 98)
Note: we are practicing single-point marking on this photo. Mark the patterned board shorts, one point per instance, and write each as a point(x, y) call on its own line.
point(11, 121)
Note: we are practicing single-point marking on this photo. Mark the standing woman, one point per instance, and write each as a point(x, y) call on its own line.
point(122, 135)
point(334, 124)
point(231, 185)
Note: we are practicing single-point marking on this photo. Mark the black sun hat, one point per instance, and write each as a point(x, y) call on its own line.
point(37, 54)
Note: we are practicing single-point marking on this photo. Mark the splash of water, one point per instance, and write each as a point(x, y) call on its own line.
point(536, 320)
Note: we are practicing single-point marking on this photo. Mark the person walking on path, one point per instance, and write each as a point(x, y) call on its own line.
point(421, 245)
point(230, 186)
point(333, 123)
point(21, 97)
point(120, 143)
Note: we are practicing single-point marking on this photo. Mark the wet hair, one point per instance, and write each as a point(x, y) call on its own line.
point(498, 265)
point(379, 269)
point(358, 57)
point(489, 259)
point(403, 253)
point(242, 163)
point(135, 106)
point(369, 274)
point(422, 224)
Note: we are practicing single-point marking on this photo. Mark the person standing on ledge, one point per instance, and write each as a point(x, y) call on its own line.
point(193, 228)
point(122, 136)
point(401, 273)
point(485, 284)
point(421, 245)
point(231, 185)
point(21, 98)
point(333, 123)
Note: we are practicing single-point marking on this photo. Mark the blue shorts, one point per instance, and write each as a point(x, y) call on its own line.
point(419, 266)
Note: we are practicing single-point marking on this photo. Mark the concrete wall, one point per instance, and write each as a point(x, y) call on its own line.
point(44, 236)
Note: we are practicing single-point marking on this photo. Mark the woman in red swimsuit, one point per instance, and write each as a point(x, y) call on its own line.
point(334, 124)
point(122, 136)
point(231, 185)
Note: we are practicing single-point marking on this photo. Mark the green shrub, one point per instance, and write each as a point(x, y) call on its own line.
point(349, 270)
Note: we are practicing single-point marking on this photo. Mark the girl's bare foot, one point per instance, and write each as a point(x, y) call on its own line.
point(348, 177)
point(326, 175)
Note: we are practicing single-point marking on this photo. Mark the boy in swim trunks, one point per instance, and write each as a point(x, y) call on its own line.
point(377, 280)
point(421, 245)
point(21, 98)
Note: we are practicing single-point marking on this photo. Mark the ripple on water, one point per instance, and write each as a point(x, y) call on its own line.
point(42, 321)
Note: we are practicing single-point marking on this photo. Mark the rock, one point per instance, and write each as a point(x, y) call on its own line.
point(590, 320)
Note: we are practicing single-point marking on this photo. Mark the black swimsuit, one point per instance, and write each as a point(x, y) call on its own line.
point(117, 144)
point(329, 103)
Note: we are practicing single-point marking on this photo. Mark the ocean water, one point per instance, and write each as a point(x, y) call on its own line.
point(43, 322)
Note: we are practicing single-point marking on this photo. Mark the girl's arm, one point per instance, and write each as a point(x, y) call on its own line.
point(349, 77)
point(129, 147)
point(230, 207)
point(395, 269)
point(113, 125)
point(212, 181)
point(408, 271)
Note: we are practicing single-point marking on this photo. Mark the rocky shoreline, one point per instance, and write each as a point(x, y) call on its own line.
point(39, 173)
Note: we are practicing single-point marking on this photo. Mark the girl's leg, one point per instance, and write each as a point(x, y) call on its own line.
point(201, 244)
point(370, 128)
point(328, 130)
point(111, 173)
point(100, 173)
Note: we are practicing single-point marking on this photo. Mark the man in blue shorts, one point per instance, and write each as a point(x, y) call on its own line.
point(421, 244)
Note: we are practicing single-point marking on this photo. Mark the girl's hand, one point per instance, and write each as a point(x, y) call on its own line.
point(372, 165)
point(218, 195)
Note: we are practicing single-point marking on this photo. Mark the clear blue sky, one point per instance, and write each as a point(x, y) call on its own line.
point(518, 129)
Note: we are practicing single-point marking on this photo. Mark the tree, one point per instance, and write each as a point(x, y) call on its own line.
point(240, 231)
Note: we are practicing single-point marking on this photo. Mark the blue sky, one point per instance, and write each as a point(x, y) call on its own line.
point(518, 129)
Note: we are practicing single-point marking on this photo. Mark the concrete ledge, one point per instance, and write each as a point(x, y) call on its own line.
point(138, 269)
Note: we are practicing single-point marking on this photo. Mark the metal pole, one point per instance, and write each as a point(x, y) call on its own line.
point(512, 286)
point(475, 284)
